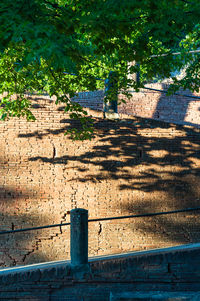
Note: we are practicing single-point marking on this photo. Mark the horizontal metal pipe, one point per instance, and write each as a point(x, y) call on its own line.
point(165, 91)
point(143, 215)
point(103, 219)
point(34, 228)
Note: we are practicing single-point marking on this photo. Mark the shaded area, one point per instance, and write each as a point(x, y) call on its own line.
point(41, 134)
point(26, 244)
point(11, 194)
point(20, 248)
point(122, 139)
point(156, 161)
point(177, 109)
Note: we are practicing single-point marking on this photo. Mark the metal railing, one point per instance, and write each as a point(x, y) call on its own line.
point(102, 219)
point(165, 91)
point(79, 229)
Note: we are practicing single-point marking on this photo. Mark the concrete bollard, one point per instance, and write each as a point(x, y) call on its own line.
point(79, 236)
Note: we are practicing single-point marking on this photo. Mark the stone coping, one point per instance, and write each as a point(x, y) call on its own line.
point(67, 263)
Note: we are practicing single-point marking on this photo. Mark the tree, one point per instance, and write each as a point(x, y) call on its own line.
point(44, 42)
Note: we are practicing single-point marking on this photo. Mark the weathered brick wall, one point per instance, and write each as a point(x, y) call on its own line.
point(131, 166)
point(92, 100)
point(165, 271)
point(158, 106)
point(152, 104)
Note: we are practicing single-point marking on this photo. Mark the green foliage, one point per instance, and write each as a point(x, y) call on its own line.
point(42, 42)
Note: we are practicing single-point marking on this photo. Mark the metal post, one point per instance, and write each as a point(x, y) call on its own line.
point(110, 107)
point(79, 236)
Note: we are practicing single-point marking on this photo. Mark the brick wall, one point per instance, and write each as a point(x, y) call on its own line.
point(158, 106)
point(92, 100)
point(152, 104)
point(131, 166)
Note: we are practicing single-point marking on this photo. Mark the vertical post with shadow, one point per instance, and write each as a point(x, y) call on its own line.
point(111, 93)
point(79, 236)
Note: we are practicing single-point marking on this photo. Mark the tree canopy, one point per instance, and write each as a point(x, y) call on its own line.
point(64, 46)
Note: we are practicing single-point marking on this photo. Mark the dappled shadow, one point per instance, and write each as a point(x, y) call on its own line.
point(119, 139)
point(182, 227)
point(10, 194)
point(40, 135)
point(156, 161)
point(70, 124)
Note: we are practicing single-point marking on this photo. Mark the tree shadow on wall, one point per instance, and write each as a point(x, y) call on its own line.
point(71, 124)
point(175, 108)
point(159, 160)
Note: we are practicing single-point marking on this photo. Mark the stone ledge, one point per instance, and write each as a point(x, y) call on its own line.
point(149, 265)
point(155, 296)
